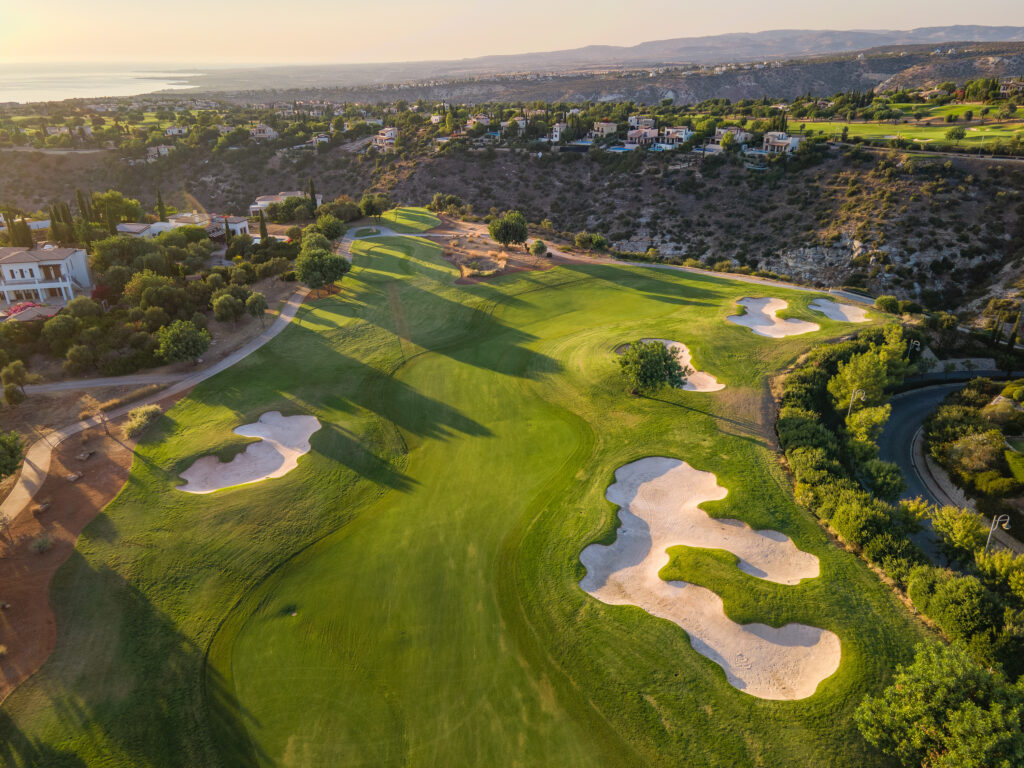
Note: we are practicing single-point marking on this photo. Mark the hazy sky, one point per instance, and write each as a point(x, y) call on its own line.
point(193, 32)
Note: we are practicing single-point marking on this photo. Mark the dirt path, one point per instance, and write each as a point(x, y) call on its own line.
point(28, 628)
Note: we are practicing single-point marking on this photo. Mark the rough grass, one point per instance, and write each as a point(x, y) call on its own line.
point(409, 594)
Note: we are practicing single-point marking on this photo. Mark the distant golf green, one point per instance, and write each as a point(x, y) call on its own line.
point(409, 594)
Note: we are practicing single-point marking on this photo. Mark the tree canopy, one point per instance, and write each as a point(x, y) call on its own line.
point(946, 711)
point(647, 367)
point(181, 340)
point(508, 228)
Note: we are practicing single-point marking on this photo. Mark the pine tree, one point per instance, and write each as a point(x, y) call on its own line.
point(161, 209)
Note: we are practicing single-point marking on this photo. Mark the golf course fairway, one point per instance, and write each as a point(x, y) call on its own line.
point(409, 594)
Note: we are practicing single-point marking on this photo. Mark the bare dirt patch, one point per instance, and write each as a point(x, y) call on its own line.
point(477, 257)
point(59, 512)
point(658, 500)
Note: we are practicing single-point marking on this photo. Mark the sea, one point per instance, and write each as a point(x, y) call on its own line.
point(25, 83)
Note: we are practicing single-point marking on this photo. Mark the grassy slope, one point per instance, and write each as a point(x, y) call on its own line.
point(443, 624)
point(976, 134)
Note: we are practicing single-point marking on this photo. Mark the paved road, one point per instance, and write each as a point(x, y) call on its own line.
point(37, 457)
point(136, 380)
point(909, 410)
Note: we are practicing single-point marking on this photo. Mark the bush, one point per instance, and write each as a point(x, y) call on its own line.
point(41, 544)
point(140, 419)
point(888, 304)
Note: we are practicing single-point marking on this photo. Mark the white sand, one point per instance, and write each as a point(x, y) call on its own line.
point(696, 381)
point(284, 439)
point(658, 502)
point(846, 313)
point(761, 319)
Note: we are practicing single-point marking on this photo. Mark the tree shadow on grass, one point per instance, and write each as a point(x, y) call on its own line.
point(150, 701)
point(654, 284)
point(745, 429)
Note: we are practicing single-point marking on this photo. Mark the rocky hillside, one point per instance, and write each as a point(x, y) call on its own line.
point(922, 229)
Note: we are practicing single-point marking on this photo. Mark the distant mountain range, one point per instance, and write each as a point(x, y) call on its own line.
point(716, 49)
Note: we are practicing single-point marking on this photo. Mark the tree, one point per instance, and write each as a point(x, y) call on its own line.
point(956, 134)
point(539, 248)
point(728, 142)
point(161, 209)
point(256, 305)
point(227, 307)
point(12, 452)
point(508, 228)
point(330, 226)
point(182, 340)
point(59, 332)
point(945, 710)
point(373, 205)
point(263, 228)
point(960, 531)
point(647, 367)
point(318, 267)
point(866, 372)
point(14, 374)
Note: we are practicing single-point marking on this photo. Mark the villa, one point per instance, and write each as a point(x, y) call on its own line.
point(263, 132)
point(265, 201)
point(739, 135)
point(38, 274)
point(603, 130)
point(384, 141)
point(176, 130)
point(557, 131)
point(779, 142)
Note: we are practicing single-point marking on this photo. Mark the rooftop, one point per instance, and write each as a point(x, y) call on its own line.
point(22, 255)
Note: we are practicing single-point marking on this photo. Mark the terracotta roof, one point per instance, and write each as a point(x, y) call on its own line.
point(20, 255)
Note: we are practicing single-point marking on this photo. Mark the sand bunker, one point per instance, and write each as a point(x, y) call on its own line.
point(846, 313)
point(696, 381)
point(761, 319)
point(284, 439)
point(658, 502)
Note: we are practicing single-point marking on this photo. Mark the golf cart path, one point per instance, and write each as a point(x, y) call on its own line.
point(37, 458)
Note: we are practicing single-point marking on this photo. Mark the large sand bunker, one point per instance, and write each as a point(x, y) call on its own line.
point(845, 313)
point(658, 501)
point(283, 440)
point(696, 381)
point(761, 317)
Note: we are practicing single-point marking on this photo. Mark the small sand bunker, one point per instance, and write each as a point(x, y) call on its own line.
point(658, 501)
point(283, 440)
point(846, 313)
point(696, 381)
point(761, 319)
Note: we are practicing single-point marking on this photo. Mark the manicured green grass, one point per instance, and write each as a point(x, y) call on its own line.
point(428, 547)
point(365, 231)
point(410, 220)
point(976, 134)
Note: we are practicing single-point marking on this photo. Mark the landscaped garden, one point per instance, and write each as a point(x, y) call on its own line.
point(410, 593)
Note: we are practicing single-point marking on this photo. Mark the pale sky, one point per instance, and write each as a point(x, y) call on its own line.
point(198, 32)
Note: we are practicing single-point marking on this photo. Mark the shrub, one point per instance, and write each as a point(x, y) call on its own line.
point(888, 304)
point(41, 544)
point(140, 419)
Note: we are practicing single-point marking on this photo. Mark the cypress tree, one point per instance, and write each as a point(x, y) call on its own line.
point(311, 190)
point(161, 209)
point(263, 228)
point(1014, 333)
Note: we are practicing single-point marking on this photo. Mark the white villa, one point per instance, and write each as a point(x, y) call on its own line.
point(641, 137)
point(264, 201)
point(636, 121)
point(741, 136)
point(556, 132)
point(384, 141)
point(435, 119)
point(519, 121)
point(38, 274)
point(676, 135)
point(264, 132)
point(176, 130)
point(779, 142)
